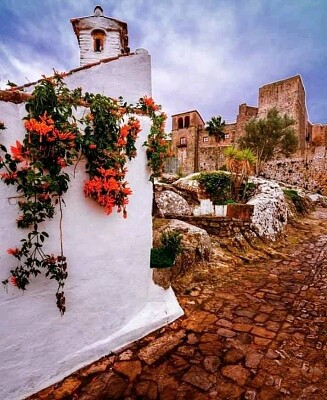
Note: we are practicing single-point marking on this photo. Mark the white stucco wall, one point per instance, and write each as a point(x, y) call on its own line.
point(111, 299)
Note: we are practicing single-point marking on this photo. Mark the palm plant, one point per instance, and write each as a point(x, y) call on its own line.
point(240, 163)
point(215, 127)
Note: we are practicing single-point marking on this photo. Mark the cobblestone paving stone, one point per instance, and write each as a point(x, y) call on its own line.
point(261, 335)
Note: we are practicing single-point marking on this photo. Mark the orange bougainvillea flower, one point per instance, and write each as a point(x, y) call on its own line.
point(9, 177)
point(124, 130)
point(148, 101)
point(89, 117)
point(17, 152)
point(63, 135)
point(13, 281)
point(42, 127)
point(13, 252)
point(126, 191)
point(61, 162)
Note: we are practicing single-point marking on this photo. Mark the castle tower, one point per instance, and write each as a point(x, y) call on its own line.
point(288, 96)
point(186, 128)
point(100, 37)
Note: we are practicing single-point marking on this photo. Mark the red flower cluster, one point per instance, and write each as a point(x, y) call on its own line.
point(45, 128)
point(108, 190)
point(150, 104)
point(18, 151)
point(13, 252)
point(9, 178)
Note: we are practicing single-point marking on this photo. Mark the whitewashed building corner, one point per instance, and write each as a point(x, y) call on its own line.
point(111, 298)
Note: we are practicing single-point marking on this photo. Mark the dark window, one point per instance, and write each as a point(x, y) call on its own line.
point(187, 122)
point(98, 45)
point(180, 123)
point(98, 40)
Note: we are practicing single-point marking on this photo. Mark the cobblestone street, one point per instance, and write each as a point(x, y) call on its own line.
point(256, 331)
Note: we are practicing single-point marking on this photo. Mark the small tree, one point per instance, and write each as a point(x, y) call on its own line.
point(240, 164)
point(215, 127)
point(269, 137)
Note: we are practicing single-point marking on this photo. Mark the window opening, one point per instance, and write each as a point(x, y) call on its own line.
point(98, 40)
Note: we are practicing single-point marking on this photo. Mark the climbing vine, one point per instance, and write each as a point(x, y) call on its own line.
point(55, 139)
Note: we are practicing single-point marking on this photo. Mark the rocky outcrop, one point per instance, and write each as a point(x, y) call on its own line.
point(170, 203)
point(185, 199)
point(196, 246)
point(270, 209)
point(318, 199)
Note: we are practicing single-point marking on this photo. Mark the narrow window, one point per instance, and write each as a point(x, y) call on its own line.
point(187, 122)
point(180, 123)
point(98, 40)
point(182, 141)
point(205, 139)
point(98, 45)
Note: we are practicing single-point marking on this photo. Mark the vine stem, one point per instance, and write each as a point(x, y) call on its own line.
point(60, 228)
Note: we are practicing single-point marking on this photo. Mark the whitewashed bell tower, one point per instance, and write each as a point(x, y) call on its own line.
point(100, 37)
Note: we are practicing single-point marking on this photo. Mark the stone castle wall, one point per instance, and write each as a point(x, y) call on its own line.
point(187, 129)
point(288, 96)
point(204, 153)
point(309, 174)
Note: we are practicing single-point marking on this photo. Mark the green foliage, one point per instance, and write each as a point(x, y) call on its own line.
point(296, 199)
point(165, 256)
point(171, 241)
point(269, 137)
point(161, 258)
point(216, 185)
point(215, 127)
point(240, 165)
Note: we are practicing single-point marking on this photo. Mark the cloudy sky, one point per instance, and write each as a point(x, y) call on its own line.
point(209, 55)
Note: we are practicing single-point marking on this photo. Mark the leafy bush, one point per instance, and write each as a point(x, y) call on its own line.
point(161, 258)
point(165, 256)
point(296, 199)
point(216, 185)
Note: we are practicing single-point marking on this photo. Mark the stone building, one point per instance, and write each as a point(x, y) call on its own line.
point(100, 37)
point(111, 298)
point(196, 151)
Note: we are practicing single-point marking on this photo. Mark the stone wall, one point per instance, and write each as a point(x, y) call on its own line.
point(310, 175)
point(186, 130)
point(288, 96)
point(245, 114)
point(220, 226)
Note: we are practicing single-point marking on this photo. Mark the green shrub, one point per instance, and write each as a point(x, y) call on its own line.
point(216, 185)
point(165, 256)
point(161, 258)
point(296, 199)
